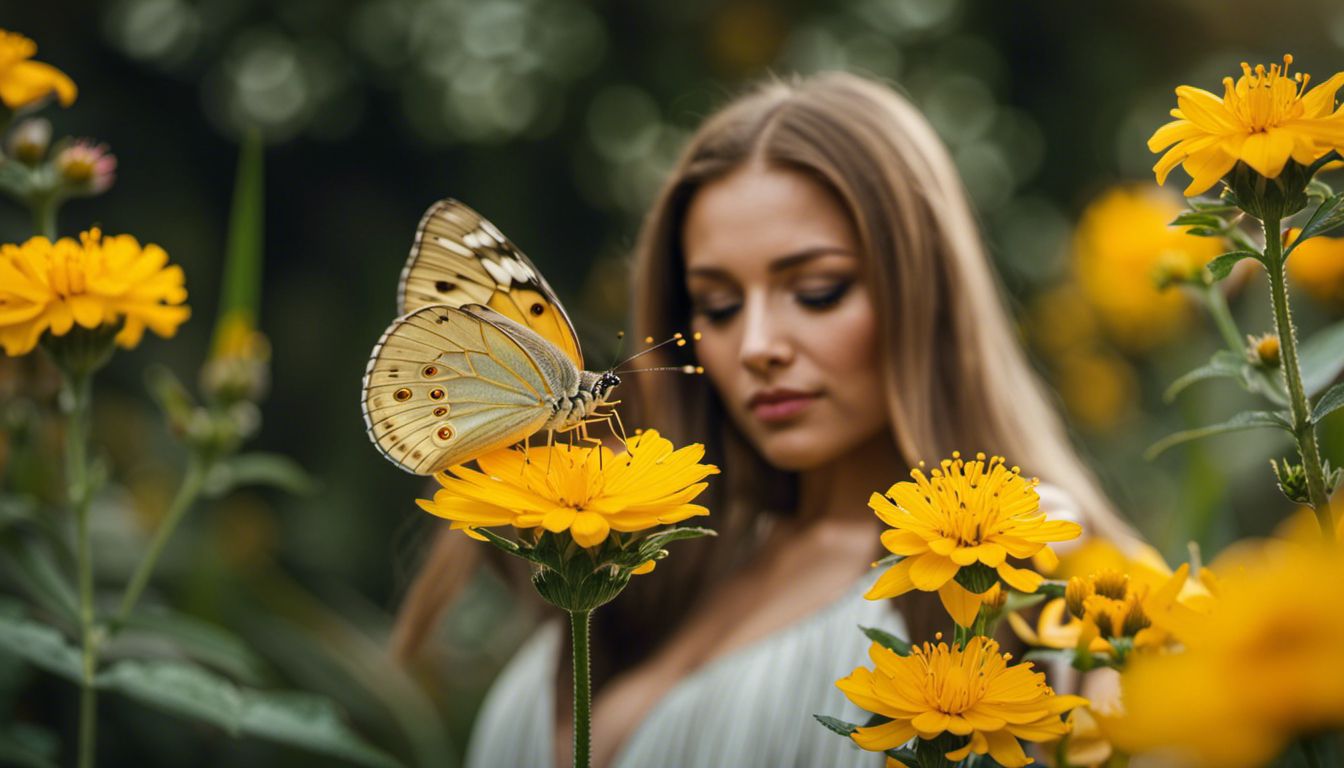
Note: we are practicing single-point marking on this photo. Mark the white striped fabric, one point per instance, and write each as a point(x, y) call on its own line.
point(751, 707)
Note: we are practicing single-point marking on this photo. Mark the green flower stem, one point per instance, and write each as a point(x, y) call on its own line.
point(44, 215)
point(1216, 303)
point(1300, 409)
point(79, 388)
point(187, 493)
point(578, 623)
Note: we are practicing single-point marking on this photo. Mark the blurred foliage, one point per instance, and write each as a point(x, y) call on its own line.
point(556, 119)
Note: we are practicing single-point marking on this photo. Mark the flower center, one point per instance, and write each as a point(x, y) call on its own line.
point(1264, 99)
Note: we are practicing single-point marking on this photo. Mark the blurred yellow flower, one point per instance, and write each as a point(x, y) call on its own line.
point(23, 82)
point(1263, 668)
point(1098, 387)
point(586, 490)
point(968, 516)
point(970, 692)
point(97, 281)
point(1122, 242)
point(1317, 266)
point(1263, 119)
point(1088, 746)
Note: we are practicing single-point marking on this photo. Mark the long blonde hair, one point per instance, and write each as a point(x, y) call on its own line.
point(955, 374)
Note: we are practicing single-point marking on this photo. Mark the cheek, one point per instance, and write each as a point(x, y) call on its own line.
point(717, 353)
point(843, 344)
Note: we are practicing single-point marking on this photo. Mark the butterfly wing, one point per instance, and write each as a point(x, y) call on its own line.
point(460, 258)
point(444, 386)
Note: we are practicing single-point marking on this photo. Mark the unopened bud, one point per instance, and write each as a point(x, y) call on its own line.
point(1076, 593)
point(1135, 619)
point(1263, 350)
point(1111, 584)
point(86, 167)
point(29, 141)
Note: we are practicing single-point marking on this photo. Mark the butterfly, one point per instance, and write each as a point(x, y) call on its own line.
point(482, 355)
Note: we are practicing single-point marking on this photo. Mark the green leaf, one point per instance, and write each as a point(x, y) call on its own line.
point(502, 543)
point(887, 640)
point(907, 756)
point(1329, 403)
point(1223, 364)
point(1206, 232)
point(40, 645)
point(1050, 589)
point(33, 566)
point(1211, 205)
point(297, 719)
point(1328, 215)
point(1221, 266)
point(240, 294)
point(1266, 382)
point(269, 469)
point(199, 640)
point(656, 541)
point(1018, 601)
point(28, 746)
point(837, 725)
point(1319, 189)
point(1197, 219)
point(1322, 358)
point(1242, 421)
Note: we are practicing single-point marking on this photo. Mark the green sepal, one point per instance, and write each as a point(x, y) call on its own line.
point(836, 725)
point(1242, 421)
point(887, 640)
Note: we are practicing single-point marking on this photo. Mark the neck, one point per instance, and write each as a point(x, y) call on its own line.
point(839, 491)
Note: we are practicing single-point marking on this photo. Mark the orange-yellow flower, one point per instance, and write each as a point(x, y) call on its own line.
point(964, 515)
point(1317, 266)
point(968, 692)
point(1263, 119)
point(586, 490)
point(96, 281)
point(22, 81)
point(1262, 669)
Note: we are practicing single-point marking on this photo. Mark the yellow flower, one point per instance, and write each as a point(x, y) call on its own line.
point(1264, 667)
point(1088, 746)
point(1123, 240)
point(1263, 119)
point(23, 82)
point(965, 516)
point(586, 490)
point(46, 286)
point(1317, 265)
point(970, 692)
point(1098, 386)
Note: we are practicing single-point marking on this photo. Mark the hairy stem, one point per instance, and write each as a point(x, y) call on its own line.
point(578, 622)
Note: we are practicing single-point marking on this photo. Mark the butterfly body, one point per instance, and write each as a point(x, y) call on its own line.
point(483, 355)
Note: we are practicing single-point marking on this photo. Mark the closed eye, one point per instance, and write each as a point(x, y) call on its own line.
point(823, 298)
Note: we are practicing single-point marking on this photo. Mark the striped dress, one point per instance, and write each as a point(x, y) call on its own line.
point(750, 707)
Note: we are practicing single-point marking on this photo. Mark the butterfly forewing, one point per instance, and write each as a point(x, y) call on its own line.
point(460, 258)
point(444, 386)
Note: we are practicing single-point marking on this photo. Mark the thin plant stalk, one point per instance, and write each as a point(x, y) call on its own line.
point(579, 626)
point(77, 477)
point(1216, 303)
point(1304, 429)
point(186, 495)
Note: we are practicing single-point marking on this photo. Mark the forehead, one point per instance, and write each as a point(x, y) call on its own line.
point(760, 213)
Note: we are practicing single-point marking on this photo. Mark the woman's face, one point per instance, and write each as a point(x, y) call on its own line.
point(787, 323)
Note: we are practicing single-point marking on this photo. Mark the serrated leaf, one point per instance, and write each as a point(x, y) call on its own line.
point(298, 719)
point(199, 640)
point(1328, 215)
point(887, 640)
point(1221, 266)
point(1322, 358)
point(836, 725)
point(1329, 402)
point(1223, 364)
point(1242, 421)
point(40, 645)
point(268, 469)
point(1196, 219)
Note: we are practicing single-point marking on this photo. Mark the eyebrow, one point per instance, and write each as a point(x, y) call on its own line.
point(783, 262)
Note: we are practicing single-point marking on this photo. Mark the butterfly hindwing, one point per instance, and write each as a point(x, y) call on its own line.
point(460, 258)
point(445, 385)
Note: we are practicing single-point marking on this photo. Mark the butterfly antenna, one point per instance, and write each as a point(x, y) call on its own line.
point(692, 369)
point(620, 349)
point(677, 338)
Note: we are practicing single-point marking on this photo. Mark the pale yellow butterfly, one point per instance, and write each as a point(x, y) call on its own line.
point(483, 355)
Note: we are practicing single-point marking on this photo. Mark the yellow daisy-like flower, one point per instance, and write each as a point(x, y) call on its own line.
point(963, 515)
point(1262, 669)
point(586, 490)
point(1263, 119)
point(92, 282)
point(1122, 243)
point(22, 81)
point(1317, 266)
point(970, 692)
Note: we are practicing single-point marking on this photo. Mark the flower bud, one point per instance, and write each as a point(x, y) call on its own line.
point(1292, 480)
point(1263, 351)
point(29, 141)
point(1076, 593)
point(1111, 584)
point(86, 167)
point(1135, 619)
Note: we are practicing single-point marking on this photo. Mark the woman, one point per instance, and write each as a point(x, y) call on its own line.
point(817, 237)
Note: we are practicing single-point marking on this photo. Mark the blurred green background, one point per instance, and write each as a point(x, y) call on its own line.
point(556, 119)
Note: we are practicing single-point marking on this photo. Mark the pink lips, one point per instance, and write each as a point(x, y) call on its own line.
point(773, 405)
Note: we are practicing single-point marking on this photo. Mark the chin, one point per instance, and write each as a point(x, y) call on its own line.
point(797, 450)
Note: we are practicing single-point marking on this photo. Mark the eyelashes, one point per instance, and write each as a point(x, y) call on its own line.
point(814, 299)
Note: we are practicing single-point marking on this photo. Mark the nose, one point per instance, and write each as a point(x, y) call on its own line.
point(765, 341)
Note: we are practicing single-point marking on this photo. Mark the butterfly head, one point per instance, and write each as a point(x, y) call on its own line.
point(604, 384)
